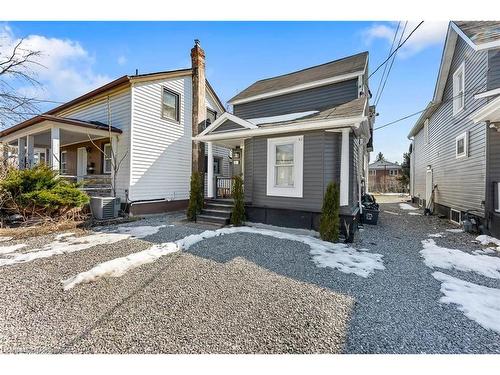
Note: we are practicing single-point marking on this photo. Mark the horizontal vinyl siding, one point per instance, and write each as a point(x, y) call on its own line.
point(306, 100)
point(161, 148)
point(493, 69)
point(120, 107)
point(321, 165)
point(228, 125)
point(461, 182)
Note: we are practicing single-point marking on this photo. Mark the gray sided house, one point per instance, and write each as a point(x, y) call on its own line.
point(455, 151)
point(293, 134)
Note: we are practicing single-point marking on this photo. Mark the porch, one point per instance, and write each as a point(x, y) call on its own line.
point(80, 151)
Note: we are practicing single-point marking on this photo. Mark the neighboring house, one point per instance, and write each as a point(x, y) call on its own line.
point(293, 134)
point(152, 117)
point(455, 147)
point(383, 177)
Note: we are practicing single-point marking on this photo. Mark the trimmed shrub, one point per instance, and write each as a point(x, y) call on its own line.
point(329, 226)
point(238, 214)
point(39, 191)
point(195, 197)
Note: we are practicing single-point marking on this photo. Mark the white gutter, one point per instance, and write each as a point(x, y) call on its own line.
point(280, 129)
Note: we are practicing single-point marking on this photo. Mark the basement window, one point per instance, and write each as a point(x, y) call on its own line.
point(455, 216)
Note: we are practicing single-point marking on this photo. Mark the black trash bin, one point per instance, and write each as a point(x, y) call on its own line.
point(370, 216)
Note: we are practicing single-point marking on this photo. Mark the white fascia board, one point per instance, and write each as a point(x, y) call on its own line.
point(444, 66)
point(487, 93)
point(305, 126)
point(483, 113)
point(228, 116)
point(304, 86)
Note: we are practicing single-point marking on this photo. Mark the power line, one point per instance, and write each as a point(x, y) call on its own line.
point(393, 52)
point(377, 100)
point(416, 113)
point(385, 67)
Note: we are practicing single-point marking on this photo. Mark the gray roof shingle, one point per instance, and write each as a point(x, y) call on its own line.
point(334, 68)
point(480, 32)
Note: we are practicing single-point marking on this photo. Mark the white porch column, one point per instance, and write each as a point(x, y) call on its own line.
point(344, 168)
point(55, 149)
point(21, 152)
point(210, 170)
point(30, 151)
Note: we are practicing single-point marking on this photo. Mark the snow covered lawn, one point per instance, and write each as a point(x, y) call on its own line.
point(407, 207)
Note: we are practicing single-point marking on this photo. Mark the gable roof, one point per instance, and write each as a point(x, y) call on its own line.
point(123, 81)
point(351, 65)
point(480, 35)
point(383, 164)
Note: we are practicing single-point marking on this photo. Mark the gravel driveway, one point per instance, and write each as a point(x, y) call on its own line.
point(243, 293)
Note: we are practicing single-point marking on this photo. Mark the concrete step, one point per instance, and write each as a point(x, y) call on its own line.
point(212, 219)
point(219, 206)
point(218, 213)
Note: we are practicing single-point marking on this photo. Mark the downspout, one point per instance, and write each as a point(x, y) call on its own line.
point(360, 157)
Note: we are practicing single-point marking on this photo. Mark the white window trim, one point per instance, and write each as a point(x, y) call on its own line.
point(64, 169)
point(465, 137)
point(459, 216)
point(177, 118)
point(104, 162)
point(426, 131)
point(461, 69)
point(298, 164)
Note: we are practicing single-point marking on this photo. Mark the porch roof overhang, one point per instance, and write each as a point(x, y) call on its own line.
point(45, 122)
point(333, 124)
point(490, 112)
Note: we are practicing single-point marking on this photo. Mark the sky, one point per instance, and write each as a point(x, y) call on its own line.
point(79, 56)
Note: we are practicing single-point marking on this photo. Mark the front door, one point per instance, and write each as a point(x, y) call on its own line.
point(81, 163)
point(428, 187)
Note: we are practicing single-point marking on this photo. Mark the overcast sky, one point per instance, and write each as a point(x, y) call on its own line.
point(79, 56)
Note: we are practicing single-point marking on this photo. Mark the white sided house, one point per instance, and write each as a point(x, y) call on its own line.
point(147, 121)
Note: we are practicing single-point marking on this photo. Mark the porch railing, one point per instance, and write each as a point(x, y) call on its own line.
point(93, 185)
point(223, 187)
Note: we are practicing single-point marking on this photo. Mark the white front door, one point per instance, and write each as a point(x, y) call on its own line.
point(428, 187)
point(81, 163)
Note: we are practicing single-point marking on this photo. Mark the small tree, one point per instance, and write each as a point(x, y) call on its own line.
point(238, 214)
point(330, 214)
point(404, 178)
point(195, 197)
point(380, 157)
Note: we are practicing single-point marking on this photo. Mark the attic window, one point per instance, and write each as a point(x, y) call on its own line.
point(459, 89)
point(170, 105)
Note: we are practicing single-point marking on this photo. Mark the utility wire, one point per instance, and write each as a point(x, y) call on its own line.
point(393, 52)
point(444, 101)
point(377, 100)
point(385, 66)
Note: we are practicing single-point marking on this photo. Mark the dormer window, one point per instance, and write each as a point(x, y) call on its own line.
point(459, 89)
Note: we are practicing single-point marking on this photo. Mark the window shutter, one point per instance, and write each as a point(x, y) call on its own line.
point(496, 205)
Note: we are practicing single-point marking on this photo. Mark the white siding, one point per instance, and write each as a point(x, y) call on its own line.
point(160, 148)
point(120, 118)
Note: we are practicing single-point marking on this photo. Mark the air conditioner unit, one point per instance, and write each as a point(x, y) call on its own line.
point(104, 208)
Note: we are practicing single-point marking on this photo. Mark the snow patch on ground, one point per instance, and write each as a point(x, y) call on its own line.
point(406, 206)
point(488, 240)
point(280, 118)
point(11, 249)
point(305, 232)
point(478, 303)
point(392, 213)
point(5, 238)
point(119, 266)
point(442, 257)
point(414, 213)
point(456, 230)
point(65, 244)
point(325, 254)
point(436, 235)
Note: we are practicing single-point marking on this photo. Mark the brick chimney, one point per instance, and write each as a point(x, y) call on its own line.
point(199, 109)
